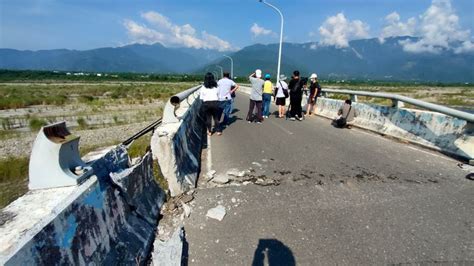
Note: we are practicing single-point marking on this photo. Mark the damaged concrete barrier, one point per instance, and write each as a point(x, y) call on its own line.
point(109, 219)
point(437, 131)
point(177, 143)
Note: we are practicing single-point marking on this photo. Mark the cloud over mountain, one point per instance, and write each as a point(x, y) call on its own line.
point(438, 29)
point(159, 28)
point(257, 30)
point(338, 31)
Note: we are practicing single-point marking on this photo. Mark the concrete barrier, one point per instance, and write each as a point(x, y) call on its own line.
point(109, 219)
point(443, 133)
point(177, 144)
point(446, 134)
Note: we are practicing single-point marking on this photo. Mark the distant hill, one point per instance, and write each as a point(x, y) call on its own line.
point(140, 58)
point(363, 59)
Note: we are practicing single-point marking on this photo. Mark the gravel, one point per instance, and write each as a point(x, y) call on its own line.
point(21, 146)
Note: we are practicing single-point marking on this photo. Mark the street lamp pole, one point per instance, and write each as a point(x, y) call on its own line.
point(281, 36)
point(231, 66)
point(222, 70)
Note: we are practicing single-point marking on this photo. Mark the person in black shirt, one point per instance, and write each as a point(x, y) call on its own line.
point(296, 95)
point(314, 93)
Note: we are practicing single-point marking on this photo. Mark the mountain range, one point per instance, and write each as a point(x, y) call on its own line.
point(363, 59)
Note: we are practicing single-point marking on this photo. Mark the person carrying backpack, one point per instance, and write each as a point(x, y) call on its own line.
point(296, 95)
point(281, 93)
point(314, 93)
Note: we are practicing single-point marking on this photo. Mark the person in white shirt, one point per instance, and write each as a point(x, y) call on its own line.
point(226, 87)
point(209, 94)
point(281, 93)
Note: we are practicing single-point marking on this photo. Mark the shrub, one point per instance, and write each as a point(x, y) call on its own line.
point(82, 123)
point(36, 123)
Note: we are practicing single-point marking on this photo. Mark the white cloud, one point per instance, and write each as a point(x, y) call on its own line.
point(466, 46)
point(256, 31)
point(394, 27)
point(338, 31)
point(438, 30)
point(162, 29)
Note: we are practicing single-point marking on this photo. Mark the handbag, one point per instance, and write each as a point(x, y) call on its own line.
point(285, 92)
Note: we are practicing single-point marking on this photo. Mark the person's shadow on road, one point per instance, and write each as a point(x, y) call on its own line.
point(272, 252)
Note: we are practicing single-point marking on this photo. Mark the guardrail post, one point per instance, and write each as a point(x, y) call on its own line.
point(353, 98)
point(397, 104)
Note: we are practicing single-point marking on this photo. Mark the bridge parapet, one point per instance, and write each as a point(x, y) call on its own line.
point(110, 218)
point(178, 141)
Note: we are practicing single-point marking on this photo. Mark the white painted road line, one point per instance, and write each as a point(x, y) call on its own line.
point(209, 154)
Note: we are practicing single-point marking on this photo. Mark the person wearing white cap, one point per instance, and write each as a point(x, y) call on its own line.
point(281, 94)
point(256, 96)
point(314, 93)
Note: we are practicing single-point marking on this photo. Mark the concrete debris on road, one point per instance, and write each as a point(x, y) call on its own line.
point(236, 172)
point(210, 174)
point(169, 252)
point(221, 179)
point(186, 210)
point(217, 213)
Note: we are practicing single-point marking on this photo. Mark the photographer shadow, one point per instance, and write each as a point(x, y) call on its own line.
point(272, 252)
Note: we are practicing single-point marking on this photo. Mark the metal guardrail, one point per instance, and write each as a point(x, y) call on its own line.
point(399, 98)
point(178, 98)
point(142, 132)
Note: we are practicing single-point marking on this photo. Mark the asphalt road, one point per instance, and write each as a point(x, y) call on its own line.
point(343, 197)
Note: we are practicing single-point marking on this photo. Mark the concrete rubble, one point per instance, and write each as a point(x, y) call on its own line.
point(169, 252)
point(217, 213)
point(236, 172)
point(221, 179)
point(210, 174)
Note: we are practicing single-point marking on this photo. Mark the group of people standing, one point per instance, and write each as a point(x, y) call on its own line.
point(218, 98)
point(263, 90)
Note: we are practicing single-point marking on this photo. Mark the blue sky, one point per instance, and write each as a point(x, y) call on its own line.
point(227, 24)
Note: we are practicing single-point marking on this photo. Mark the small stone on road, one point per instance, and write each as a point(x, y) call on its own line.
point(217, 213)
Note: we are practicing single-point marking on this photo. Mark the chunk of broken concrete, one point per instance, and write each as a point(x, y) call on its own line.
point(235, 172)
point(221, 179)
point(210, 174)
point(217, 213)
point(187, 210)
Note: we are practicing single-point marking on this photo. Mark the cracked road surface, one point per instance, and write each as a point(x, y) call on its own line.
point(340, 197)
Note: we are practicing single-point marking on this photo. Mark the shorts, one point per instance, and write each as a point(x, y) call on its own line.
point(281, 101)
point(312, 100)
